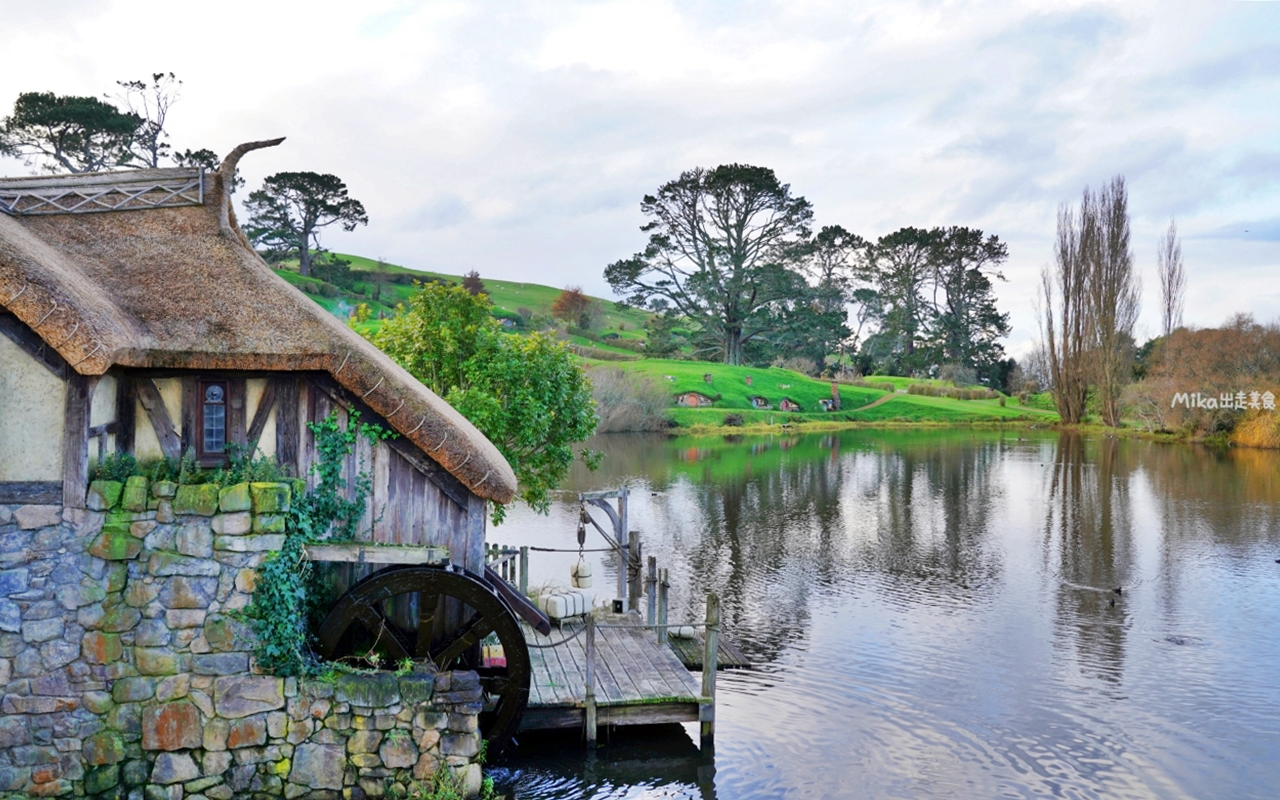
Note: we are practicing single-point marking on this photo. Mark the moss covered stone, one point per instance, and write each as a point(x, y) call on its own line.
point(116, 544)
point(270, 498)
point(164, 489)
point(268, 523)
point(372, 691)
point(201, 499)
point(134, 497)
point(416, 687)
point(102, 748)
point(101, 778)
point(235, 498)
point(220, 633)
point(101, 648)
point(104, 495)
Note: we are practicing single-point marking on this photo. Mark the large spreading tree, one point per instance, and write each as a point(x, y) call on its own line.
point(527, 394)
point(724, 248)
point(287, 214)
point(67, 133)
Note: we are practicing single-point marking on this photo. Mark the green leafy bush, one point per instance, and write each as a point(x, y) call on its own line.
point(115, 467)
point(527, 394)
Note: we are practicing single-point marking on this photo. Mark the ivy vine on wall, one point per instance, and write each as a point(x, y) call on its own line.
point(285, 591)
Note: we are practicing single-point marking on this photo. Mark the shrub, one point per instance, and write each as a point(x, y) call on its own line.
point(599, 354)
point(801, 364)
point(931, 390)
point(591, 336)
point(115, 467)
point(634, 345)
point(865, 384)
point(626, 401)
point(958, 374)
point(733, 421)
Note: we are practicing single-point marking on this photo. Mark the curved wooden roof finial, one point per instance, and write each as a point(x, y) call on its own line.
point(228, 167)
point(227, 171)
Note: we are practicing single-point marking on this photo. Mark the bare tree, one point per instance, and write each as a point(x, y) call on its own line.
point(151, 102)
point(1064, 318)
point(1173, 279)
point(1113, 292)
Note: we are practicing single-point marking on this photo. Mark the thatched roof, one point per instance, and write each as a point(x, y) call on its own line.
point(180, 287)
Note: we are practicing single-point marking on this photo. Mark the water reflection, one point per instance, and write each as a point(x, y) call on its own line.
point(934, 614)
point(1088, 536)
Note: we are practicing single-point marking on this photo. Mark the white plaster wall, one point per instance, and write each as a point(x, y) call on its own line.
point(102, 404)
point(32, 416)
point(253, 389)
point(146, 445)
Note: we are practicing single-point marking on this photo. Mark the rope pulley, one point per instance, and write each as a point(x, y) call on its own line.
point(580, 573)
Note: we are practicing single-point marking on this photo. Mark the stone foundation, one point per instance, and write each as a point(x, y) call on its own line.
point(126, 674)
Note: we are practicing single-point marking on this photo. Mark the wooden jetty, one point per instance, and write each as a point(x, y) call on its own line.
point(690, 652)
point(618, 668)
point(636, 680)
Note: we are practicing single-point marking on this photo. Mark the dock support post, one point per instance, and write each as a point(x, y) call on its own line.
point(634, 571)
point(710, 652)
point(524, 570)
point(663, 586)
point(651, 589)
point(624, 548)
point(591, 680)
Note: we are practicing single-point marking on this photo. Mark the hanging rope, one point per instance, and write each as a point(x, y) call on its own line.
point(580, 573)
point(550, 645)
point(579, 550)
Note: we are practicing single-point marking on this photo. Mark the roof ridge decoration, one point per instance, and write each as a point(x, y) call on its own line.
point(103, 191)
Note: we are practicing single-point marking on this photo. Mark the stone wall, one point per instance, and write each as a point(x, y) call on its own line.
point(126, 674)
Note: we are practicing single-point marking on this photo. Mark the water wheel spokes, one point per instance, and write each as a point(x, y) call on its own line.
point(426, 613)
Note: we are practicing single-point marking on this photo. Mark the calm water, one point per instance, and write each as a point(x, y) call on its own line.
point(932, 617)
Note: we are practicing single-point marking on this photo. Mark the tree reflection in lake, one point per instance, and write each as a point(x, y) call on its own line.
point(932, 612)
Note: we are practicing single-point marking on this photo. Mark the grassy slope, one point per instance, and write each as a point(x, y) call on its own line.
point(730, 385)
point(507, 296)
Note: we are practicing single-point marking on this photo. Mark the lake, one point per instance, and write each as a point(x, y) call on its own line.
point(934, 614)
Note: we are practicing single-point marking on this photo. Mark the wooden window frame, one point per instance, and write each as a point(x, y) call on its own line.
point(203, 456)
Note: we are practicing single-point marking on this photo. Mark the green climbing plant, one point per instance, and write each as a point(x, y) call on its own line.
point(284, 595)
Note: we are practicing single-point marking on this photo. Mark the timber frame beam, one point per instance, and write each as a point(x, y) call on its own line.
point(161, 422)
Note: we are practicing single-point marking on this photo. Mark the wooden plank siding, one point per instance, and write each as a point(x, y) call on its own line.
point(414, 501)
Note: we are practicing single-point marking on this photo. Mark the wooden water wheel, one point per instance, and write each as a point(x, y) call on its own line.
point(454, 613)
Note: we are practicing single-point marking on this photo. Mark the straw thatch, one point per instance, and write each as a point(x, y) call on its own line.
point(182, 288)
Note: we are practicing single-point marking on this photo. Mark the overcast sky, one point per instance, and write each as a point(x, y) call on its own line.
point(518, 138)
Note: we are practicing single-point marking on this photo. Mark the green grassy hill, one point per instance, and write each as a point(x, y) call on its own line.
point(508, 298)
point(731, 395)
point(728, 385)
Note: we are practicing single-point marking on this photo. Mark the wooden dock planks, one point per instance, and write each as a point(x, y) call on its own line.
point(689, 651)
point(637, 680)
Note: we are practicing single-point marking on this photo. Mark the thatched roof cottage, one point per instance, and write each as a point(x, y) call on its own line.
point(137, 318)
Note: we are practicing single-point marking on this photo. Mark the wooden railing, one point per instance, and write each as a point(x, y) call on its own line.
point(510, 563)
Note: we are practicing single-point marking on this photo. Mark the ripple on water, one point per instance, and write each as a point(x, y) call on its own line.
point(934, 618)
